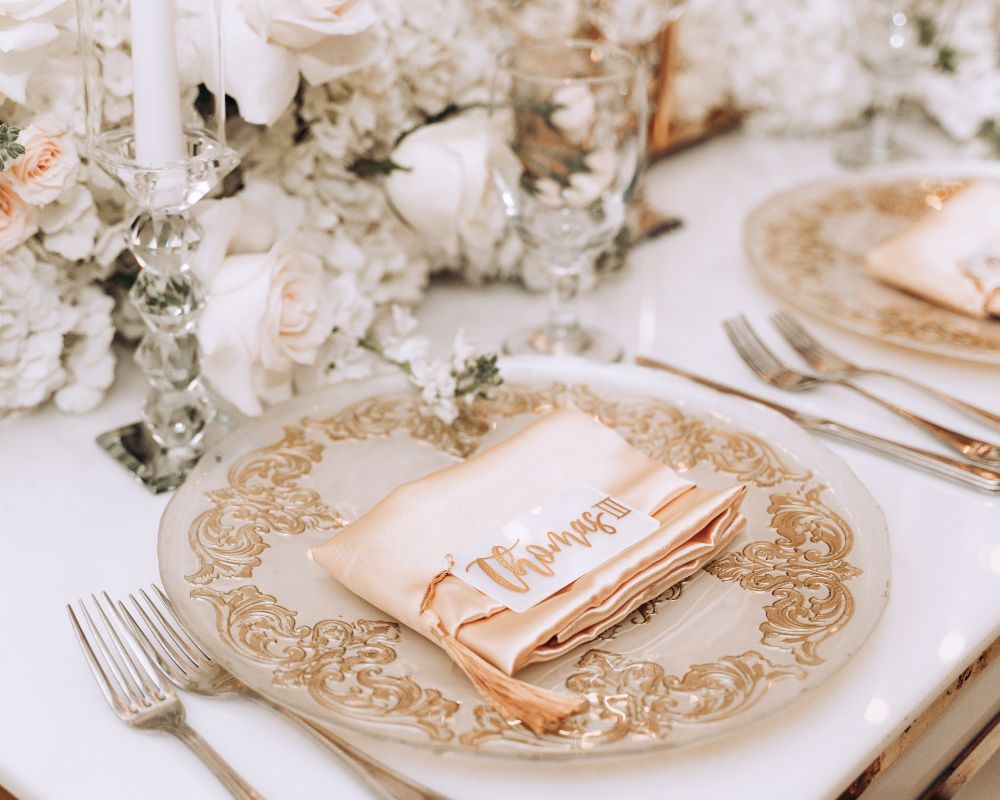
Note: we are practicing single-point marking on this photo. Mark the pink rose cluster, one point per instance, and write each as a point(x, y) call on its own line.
point(45, 169)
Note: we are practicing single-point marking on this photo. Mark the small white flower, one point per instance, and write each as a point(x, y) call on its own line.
point(437, 387)
point(461, 351)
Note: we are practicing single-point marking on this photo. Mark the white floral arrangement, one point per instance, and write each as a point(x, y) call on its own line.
point(366, 162)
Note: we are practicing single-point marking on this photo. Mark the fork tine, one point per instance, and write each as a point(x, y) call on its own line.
point(799, 338)
point(108, 689)
point(180, 659)
point(751, 355)
point(748, 358)
point(764, 354)
point(178, 626)
point(170, 629)
point(124, 681)
point(146, 643)
point(140, 669)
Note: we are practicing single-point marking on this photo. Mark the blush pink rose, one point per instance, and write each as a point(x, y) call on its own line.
point(17, 218)
point(46, 167)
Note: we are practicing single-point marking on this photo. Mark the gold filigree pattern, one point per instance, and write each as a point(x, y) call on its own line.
point(637, 698)
point(263, 496)
point(805, 569)
point(809, 244)
point(342, 664)
point(645, 612)
point(339, 663)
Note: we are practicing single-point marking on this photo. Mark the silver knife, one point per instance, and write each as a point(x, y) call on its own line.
point(966, 473)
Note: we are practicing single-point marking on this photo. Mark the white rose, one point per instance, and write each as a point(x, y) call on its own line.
point(446, 191)
point(266, 314)
point(17, 218)
point(251, 222)
point(46, 167)
point(299, 315)
point(332, 37)
point(29, 9)
point(262, 77)
point(28, 33)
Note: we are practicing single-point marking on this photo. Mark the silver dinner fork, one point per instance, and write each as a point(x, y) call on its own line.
point(824, 360)
point(163, 638)
point(138, 692)
point(772, 370)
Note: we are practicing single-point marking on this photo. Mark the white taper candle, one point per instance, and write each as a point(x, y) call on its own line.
point(156, 97)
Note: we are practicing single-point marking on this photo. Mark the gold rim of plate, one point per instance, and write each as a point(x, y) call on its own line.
point(807, 245)
point(768, 621)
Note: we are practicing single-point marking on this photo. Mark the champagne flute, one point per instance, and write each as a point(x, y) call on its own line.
point(576, 120)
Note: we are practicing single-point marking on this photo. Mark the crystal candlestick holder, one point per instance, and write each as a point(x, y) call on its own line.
point(164, 236)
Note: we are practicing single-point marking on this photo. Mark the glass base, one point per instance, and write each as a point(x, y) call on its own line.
point(588, 343)
point(860, 148)
point(134, 448)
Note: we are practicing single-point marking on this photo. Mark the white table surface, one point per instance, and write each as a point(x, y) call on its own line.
point(72, 522)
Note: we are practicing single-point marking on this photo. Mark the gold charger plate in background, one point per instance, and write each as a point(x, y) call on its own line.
point(808, 244)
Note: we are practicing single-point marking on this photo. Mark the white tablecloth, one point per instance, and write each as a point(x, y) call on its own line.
point(72, 522)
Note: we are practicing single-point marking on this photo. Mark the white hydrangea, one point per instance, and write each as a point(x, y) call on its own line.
point(55, 337)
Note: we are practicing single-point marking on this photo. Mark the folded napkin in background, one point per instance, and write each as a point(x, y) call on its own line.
point(398, 556)
point(949, 256)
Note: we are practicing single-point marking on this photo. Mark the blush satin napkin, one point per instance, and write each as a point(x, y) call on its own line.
point(949, 256)
point(398, 556)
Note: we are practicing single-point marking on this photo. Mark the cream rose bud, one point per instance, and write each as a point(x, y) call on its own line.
point(17, 219)
point(299, 315)
point(47, 166)
point(574, 110)
point(266, 312)
point(447, 191)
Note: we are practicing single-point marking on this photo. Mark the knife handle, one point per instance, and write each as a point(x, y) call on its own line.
point(978, 477)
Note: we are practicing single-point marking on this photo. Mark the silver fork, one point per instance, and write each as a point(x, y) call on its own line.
point(771, 369)
point(162, 636)
point(140, 695)
point(824, 360)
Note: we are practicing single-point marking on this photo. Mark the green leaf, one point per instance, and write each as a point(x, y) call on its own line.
point(946, 58)
point(9, 148)
point(366, 167)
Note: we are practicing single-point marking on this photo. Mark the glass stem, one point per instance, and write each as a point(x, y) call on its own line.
point(883, 122)
point(563, 329)
point(169, 296)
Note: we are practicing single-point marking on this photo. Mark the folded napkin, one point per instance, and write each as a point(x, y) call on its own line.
point(398, 556)
point(949, 256)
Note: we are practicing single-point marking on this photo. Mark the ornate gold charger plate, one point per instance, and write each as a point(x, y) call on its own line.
point(775, 616)
point(807, 244)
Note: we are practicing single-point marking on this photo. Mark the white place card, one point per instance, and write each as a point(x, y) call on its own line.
point(547, 548)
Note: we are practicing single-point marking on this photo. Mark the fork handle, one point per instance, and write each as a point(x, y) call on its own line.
point(977, 477)
point(975, 449)
point(979, 413)
point(381, 779)
point(238, 787)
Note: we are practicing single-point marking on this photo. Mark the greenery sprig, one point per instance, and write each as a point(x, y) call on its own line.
point(9, 148)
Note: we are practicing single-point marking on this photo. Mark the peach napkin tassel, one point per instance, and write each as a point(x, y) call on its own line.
point(540, 710)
